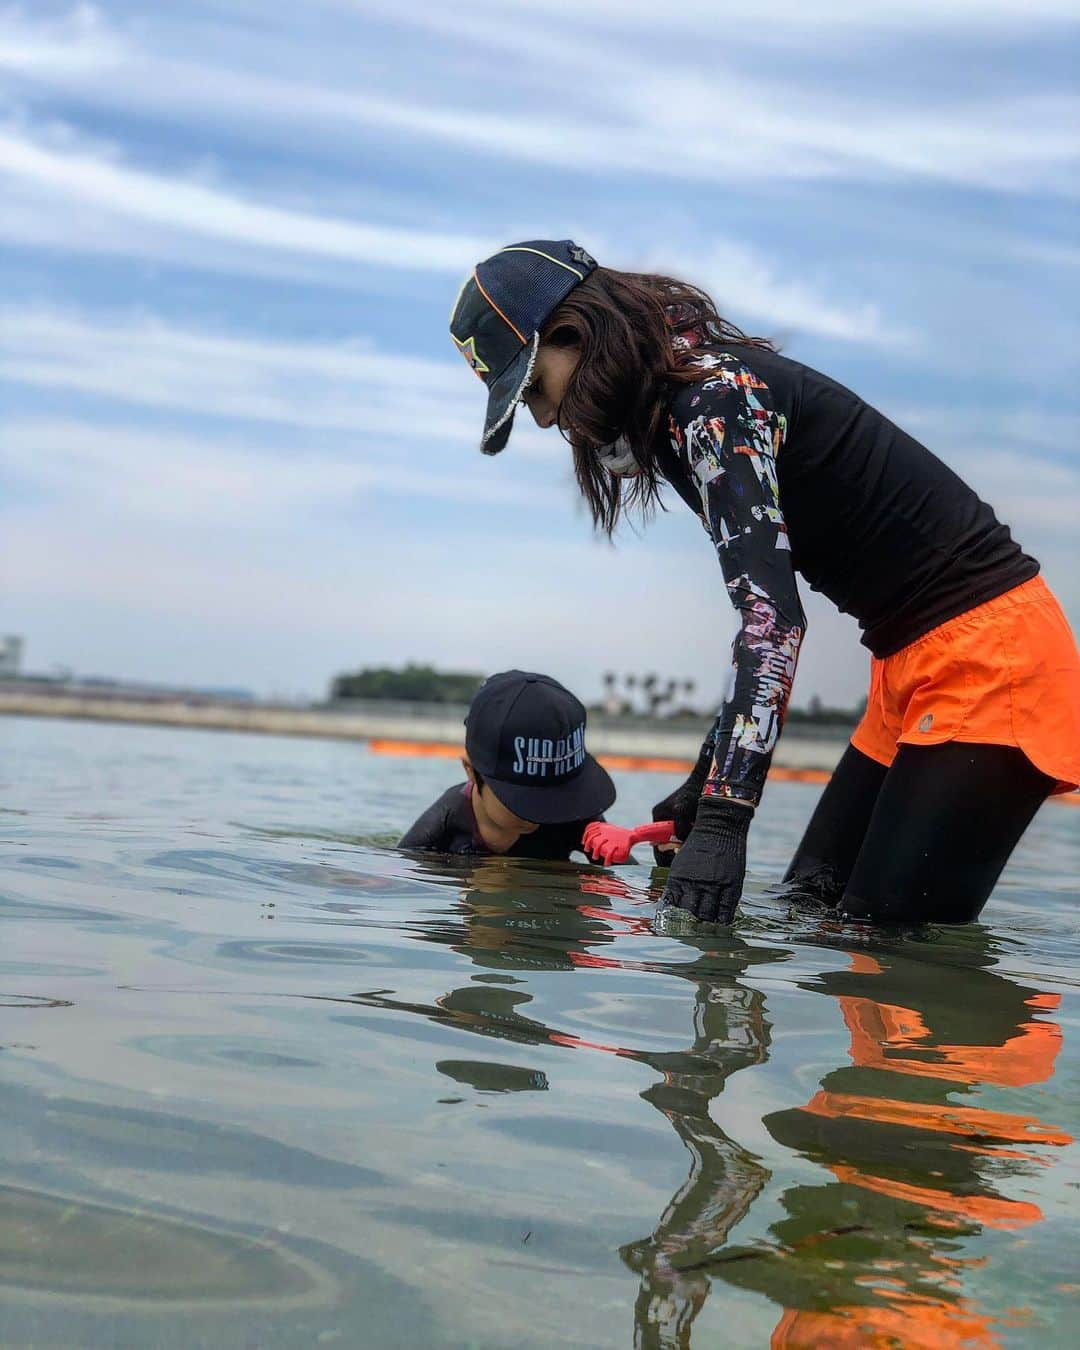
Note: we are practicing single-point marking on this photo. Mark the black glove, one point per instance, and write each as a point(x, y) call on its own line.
point(682, 804)
point(706, 878)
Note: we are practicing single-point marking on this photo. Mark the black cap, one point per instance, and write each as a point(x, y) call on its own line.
point(525, 735)
point(498, 316)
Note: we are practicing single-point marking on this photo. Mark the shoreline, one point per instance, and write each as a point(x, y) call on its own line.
point(622, 745)
point(626, 744)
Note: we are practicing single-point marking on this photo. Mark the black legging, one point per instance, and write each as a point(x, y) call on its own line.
point(923, 840)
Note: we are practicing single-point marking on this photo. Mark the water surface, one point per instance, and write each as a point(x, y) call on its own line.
point(267, 1082)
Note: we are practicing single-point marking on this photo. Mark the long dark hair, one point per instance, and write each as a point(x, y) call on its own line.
point(639, 336)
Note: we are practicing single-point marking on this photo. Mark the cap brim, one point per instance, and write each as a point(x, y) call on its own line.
point(504, 394)
point(586, 795)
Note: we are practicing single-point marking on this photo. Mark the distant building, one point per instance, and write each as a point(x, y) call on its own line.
point(11, 649)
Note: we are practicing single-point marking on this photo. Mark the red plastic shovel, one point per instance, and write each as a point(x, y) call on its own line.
point(612, 844)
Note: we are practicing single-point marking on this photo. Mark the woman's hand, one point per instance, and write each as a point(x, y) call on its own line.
point(706, 878)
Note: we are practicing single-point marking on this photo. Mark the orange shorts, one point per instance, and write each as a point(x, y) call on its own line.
point(1004, 673)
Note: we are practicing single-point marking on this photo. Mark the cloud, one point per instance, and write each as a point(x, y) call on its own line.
point(141, 361)
point(174, 203)
point(1053, 255)
point(727, 115)
point(744, 282)
point(346, 391)
point(147, 474)
point(271, 606)
point(333, 408)
point(137, 361)
point(161, 207)
point(58, 46)
point(851, 16)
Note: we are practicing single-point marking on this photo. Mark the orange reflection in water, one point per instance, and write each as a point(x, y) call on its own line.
point(915, 1323)
point(891, 1038)
point(879, 1030)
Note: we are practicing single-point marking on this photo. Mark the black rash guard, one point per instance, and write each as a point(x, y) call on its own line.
point(449, 826)
point(790, 471)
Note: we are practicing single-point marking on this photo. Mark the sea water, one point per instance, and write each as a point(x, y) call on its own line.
point(267, 1082)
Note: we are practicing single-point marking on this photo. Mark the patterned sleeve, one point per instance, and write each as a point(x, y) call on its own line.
point(727, 435)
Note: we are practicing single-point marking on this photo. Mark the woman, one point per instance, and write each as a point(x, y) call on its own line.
point(973, 715)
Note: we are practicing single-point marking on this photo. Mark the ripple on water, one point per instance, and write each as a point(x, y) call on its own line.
point(300, 953)
point(48, 864)
point(277, 873)
point(46, 912)
point(33, 1001)
point(166, 1142)
point(224, 1050)
point(50, 969)
point(63, 1246)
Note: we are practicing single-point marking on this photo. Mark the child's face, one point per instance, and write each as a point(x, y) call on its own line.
point(502, 817)
point(499, 828)
point(551, 374)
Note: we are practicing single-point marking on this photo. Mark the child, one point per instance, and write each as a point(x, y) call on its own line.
point(532, 787)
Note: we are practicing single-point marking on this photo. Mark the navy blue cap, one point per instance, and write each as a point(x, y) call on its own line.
point(525, 734)
point(498, 315)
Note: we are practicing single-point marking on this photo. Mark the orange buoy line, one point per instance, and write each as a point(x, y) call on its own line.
point(627, 763)
point(639, 763)
point(422, 749)
point(621, 763)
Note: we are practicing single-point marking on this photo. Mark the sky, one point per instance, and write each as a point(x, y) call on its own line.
point(236, 444)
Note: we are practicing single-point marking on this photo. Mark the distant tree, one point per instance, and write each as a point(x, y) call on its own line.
point(411, 684)
point(689, 687)
point(612, 703)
